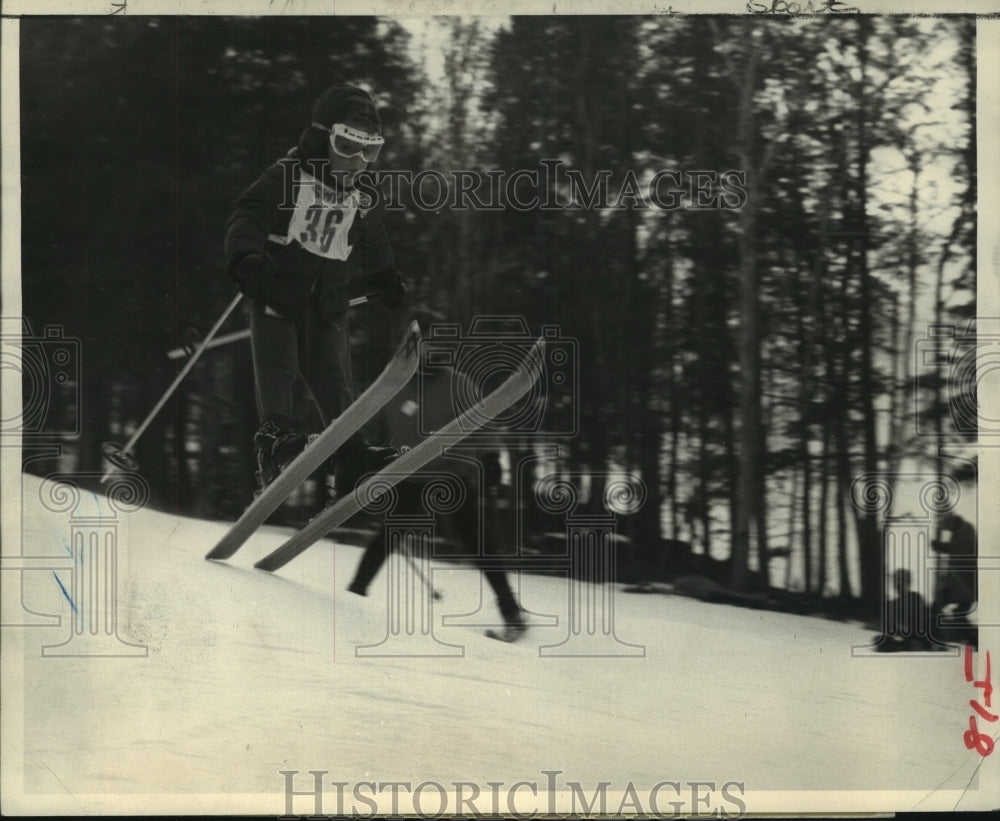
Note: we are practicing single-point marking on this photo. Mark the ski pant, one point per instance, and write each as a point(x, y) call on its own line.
point(316, 348)
point(465, 522)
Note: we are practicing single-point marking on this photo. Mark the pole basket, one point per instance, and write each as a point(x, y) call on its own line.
point(119, 457)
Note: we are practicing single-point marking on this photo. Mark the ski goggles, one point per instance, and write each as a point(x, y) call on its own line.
point(349, 142)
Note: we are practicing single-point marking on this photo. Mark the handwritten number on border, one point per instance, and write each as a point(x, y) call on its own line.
point(975, 740)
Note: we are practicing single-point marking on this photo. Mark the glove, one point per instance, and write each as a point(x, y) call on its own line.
point(253, 273)
point(390, 288)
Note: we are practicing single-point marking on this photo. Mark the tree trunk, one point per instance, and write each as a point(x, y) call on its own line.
point(793, 498)
point(843, 493)
point(674, 399)
point(824, 512)
point(869, 542)
point(704, 486)
point(748, 536)
point(899, 392)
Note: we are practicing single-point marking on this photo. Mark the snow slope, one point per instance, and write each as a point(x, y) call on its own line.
point(246, 674)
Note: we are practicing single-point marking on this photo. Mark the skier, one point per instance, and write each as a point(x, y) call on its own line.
point(293, 242)
point(430, 400)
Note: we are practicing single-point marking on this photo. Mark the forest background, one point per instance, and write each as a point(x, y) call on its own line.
point(747, 346)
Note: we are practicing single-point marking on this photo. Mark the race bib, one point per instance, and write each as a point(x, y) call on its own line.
point(322, 220)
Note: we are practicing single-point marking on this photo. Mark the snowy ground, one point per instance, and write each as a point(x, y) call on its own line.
point(241, 675)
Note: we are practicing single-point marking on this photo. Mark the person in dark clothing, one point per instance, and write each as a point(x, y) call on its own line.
point(294, 241)
point(430, 401)
point(907, 618)
point(956, 589)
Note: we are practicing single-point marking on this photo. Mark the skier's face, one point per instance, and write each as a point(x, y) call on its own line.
point(340, 145)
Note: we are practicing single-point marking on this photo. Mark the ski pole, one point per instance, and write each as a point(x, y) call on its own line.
point(408, 553)
point(236, 336)
point(122, 457)
point(225, 339)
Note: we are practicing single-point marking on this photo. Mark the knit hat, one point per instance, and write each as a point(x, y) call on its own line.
point(342, 102)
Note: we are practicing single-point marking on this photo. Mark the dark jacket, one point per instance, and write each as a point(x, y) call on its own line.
point(316, 239)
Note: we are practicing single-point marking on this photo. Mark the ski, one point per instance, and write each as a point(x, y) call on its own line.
point(393, 378)
point(515, 386)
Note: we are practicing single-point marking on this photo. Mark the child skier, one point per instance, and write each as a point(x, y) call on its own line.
point(293, 242)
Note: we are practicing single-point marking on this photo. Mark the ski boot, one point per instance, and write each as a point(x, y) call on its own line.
point(276, 447)
point(357, 588)
point(514, 627)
